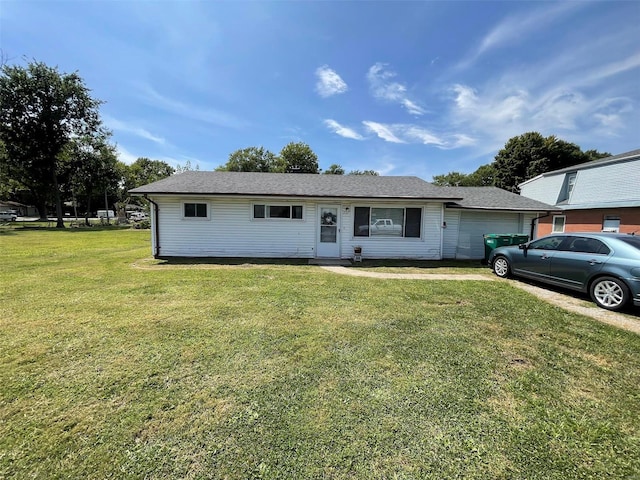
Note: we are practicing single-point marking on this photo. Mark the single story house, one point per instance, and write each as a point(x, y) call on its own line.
point(290, 215)
point(598, 196)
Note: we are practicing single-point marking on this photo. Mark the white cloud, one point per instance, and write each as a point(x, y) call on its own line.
point(192, 111)
point(121, 126)
point(343, 131)
point(329, 82)
point(516, 28)
point(383, 87)
point(382, 131)
point(125, 155)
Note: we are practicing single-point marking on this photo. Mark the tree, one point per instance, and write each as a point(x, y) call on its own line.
point(41, 111)
point(363, 172)
point(187, 167)
point(334, 169)
point(251, 159)
point(95, 169)
point(297, 158)
point(530, 154)
point(451, 179)
point(144, 171)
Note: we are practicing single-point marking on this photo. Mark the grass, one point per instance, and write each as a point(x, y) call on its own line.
point(117, 366)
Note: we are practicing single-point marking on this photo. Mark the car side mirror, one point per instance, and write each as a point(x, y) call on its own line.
point(523, 246)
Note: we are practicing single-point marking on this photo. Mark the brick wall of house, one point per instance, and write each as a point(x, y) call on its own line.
point(591, 220)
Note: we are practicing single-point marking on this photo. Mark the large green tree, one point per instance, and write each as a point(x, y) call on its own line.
point(250, 159)
point(531, 154)
point(523, 157)
point(41, 111)
point(297, 158)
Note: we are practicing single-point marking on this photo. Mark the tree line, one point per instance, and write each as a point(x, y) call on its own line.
point(522, 158)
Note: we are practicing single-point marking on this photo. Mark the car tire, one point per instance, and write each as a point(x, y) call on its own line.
point(609, 293)
point(501, 267)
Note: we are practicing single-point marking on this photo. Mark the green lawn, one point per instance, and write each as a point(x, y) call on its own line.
point(117, 366)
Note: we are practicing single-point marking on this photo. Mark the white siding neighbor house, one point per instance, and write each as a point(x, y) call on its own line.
point(280, 215)
point(602, 195)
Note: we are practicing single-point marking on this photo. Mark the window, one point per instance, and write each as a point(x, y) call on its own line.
point(587, 245)
point(387, 222)
point(569, 183)
point(277, 211)
point(195, 210)
point(558, 223)
point(611, 224)
point(547, 243)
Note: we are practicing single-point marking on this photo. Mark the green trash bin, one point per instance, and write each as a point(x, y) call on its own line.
point(495, 240)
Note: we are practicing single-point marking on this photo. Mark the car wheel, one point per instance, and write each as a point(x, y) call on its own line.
point(609, 293)
point(501, 267)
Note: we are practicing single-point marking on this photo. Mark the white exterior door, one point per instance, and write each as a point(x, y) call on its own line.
point(328, 239)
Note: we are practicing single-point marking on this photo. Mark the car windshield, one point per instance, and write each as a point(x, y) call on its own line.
point(632, 240)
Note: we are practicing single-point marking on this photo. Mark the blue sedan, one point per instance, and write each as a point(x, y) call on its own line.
point(605, 265)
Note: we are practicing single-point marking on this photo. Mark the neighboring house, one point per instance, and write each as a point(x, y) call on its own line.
point(19, 209)
point(598, 196)
point(277, 215)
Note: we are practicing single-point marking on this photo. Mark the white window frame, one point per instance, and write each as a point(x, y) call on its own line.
point(267, 218)
point(197, 202)
point(553, 223)
point(611, 218)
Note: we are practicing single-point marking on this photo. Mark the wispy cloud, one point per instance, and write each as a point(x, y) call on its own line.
point(341, 130)
point(125, 155)
point(417, 134)
point(383, 131)
point(329, 82)
point(121, 126)
point(383, 87)
point(516, 28)
point(192, 111)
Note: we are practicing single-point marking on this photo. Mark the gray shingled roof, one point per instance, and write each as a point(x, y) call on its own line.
point(494, 198)
point(295, 185)
point(338, 186)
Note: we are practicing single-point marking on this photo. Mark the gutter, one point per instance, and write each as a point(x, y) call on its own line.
point(156, 226)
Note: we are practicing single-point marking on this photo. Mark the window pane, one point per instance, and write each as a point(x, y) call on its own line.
point(258, 211)
point(201, 210)
point(558, 224)
point(547, 243)
point(387, 222)
point(297, 211)
point(279, 211)
point(361, 222)
point(414, 219)
point(611, 224)
point(189, 209)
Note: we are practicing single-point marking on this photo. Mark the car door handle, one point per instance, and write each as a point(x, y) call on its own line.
point(593, 262)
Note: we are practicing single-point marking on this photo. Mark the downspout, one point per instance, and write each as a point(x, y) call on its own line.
point(156, 227)
point(533, 223)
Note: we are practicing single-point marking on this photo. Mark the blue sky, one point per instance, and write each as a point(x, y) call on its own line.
point(416, 88)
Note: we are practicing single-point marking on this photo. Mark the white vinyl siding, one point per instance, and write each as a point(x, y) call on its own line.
point(617, 182)
point(543, 189)
point(232, 233)
point(450, 233)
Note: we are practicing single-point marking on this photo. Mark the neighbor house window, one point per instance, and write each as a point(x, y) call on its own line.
point(558, 223)
point(387, 222)
point(569, 184)
point(293, 212)
point(195, 210)
point(611, 224)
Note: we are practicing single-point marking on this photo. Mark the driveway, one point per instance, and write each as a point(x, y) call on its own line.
point(628, 322)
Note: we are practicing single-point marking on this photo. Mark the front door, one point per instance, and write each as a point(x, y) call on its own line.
point(328, 241)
